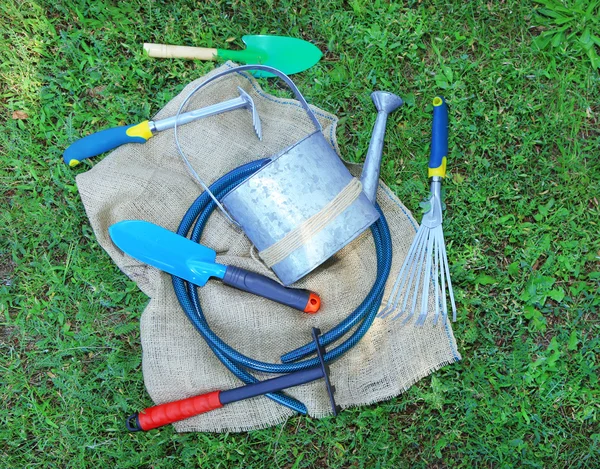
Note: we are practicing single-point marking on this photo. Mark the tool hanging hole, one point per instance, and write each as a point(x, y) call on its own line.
point(313, 304)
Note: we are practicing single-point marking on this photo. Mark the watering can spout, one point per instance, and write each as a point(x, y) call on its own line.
point(385, 103)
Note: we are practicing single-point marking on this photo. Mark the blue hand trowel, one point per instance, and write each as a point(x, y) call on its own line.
point(181, 257)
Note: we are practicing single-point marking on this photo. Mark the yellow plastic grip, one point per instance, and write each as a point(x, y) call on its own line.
point(439, 171)
point(141, 130)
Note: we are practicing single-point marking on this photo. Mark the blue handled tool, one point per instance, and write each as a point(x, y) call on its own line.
point(439, 138)
point(427, 261)
point(183, 258)
point(109, 139)
point(170, 412)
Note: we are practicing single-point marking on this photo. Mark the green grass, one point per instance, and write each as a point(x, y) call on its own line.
point(522, 227)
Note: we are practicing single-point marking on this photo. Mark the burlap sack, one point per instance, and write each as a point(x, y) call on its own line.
point(150, 182)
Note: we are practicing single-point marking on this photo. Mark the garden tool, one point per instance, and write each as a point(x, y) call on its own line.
point(110, 139)
point(426, 259)
point(163, 414)
point(178, 256)
point(288, 54)
point(303, 205)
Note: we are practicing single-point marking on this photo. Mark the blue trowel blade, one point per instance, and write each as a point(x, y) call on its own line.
point(167, 251)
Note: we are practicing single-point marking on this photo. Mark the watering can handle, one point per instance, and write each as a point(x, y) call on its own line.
point(265, 68)
point(288, 81)
point(241, 68)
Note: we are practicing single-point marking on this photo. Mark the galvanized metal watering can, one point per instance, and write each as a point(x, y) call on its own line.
point(304, 206)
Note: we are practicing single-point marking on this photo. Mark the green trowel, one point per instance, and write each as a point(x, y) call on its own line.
point(288, 54)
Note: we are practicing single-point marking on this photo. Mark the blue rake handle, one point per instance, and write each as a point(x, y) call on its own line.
point(439, 138)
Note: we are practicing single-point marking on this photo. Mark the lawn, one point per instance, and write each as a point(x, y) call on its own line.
point(522, 225)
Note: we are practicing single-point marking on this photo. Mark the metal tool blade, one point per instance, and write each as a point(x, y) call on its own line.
point(167, 251)
point(254, 111)
point(244, 100)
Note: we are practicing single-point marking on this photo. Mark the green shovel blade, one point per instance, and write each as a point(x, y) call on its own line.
point(288, 54)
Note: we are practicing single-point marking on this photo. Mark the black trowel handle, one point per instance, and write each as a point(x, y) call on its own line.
point(302, 300)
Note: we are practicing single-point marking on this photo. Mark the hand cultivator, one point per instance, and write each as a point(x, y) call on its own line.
point(109, 139)
point(426, 260)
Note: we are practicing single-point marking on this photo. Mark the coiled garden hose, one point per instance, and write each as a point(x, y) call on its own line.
point(195, 220)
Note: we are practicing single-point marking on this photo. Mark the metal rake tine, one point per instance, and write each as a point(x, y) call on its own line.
point(396, 293)
point(408, 275)
point(436, 281)
point(394, 297)
point(443, 277)
point(422, 263)
point(436, 286)
point(390, 305)
point(418, 270)
point(412, 270)
point(447, 268)
point(427, 279)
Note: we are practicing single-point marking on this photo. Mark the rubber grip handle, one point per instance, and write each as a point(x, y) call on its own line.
point(439, 138)
point(105, 140)
point(163, 414)
point(302, 300)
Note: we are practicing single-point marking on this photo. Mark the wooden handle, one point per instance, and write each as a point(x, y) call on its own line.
point(167, 51)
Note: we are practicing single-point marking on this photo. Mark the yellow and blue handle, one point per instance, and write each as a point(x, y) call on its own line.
point(439, 138)
point(105, 140)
